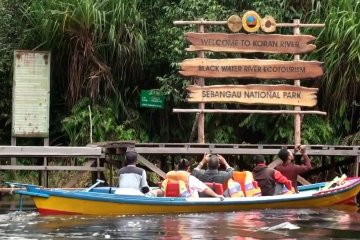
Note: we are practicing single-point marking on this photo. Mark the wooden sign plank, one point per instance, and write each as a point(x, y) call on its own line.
point(251, 68)
point(254, 94)
point(246, 43)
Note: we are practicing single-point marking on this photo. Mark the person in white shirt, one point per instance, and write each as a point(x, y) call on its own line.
point(194, 185)
point(132, 176)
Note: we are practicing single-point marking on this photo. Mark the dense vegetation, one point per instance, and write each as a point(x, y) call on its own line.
point(104, 52)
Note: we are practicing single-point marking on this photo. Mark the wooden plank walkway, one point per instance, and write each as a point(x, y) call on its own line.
point(33, 153)
point(242, 149)
point(50, 151)
point(106, 150)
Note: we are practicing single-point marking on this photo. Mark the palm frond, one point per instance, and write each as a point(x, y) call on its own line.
point(101, 41)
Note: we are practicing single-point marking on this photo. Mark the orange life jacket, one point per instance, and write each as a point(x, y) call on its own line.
point(234, 188)
point(176, 184)
point(247, 183)
point(178, 175)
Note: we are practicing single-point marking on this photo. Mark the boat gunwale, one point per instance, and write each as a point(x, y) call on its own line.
point(35, 191)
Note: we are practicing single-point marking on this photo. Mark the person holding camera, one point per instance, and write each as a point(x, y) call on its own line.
point(289, 169)
point(213, 174)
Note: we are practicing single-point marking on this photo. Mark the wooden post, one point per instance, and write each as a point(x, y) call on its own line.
point(13, 159)
point(13, 143)
point(297, 119)
point(357, 163)
point(111, 180)
point(200, 82)
point(332, 171)
point(46, 176)
point(98, 165)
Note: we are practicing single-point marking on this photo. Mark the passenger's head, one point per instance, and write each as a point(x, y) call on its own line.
point(130, 157)
point(213, 163)
point(257, 159)
point(285, 154)
point(184, 164)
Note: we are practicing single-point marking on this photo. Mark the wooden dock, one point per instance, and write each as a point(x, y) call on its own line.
point(98, 153)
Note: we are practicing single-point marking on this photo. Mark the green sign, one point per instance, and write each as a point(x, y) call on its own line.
point(150, 99)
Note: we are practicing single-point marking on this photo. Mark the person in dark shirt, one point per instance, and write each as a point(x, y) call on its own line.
point(268, 177)
point(212, 174)
point(291, 170)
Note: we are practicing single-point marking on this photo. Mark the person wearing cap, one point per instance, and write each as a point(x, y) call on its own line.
point(291, 170)
point(213, 174)
point(131, 176)
point(268, 178)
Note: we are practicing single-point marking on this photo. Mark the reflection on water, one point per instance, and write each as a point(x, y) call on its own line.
point(341, 222)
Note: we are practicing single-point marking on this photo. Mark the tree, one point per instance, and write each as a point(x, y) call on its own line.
point(339, 49)
point(98, 43)
point(12, 33)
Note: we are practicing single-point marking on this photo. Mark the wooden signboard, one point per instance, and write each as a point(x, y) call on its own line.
point(245, 43)
point(254, 94)
point(250, 68)
point(31, 94)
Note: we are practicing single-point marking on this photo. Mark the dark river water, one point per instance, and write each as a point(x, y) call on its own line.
point(335, 223)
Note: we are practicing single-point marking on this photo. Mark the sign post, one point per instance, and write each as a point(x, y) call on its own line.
point(202, 68)
point(201, 82)
point(297, 119)
point(31, 99)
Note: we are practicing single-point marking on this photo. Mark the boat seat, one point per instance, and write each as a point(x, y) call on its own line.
point(249, 186)
point(174, 188)
point(216, 187)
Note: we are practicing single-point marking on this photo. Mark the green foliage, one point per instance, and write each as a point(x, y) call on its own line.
point(224, 135)
point(281, 130)
point(316, 130)
point(104, 124)
point(12, 32)
point(352, 139)
point(340, 51)
point(99, 41)
point(109, 50)
point(282, 11)
point(166, 45)
point(30, 177)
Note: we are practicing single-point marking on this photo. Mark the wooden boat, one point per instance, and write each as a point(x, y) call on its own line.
point(103, 200)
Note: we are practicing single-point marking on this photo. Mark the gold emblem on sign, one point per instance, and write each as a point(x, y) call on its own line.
point(251, 21)
point(234, 23)
point(268, 24)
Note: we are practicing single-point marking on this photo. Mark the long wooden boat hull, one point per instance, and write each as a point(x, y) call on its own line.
point(105, 202)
